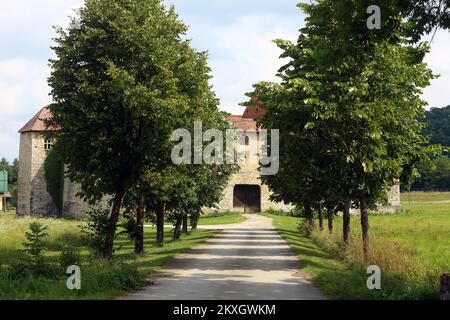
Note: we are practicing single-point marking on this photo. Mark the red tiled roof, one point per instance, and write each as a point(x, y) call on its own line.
point(254, 112)
point(245, 124)
point(36, 124)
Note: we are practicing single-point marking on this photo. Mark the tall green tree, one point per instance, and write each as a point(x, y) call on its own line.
point(358, 94)
point(438, 125)
point(184, 189)
point(123, 79)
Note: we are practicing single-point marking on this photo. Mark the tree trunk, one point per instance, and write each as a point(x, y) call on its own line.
point(110, 235)
point(346, 224)
point(320, 213)
point(185, 223)
point(330, 221)
point(309, 215)
point(160, 211)
point(445, 287)
point(365, 226)
point(195, 216)
point(177, 231)
point(139, 241)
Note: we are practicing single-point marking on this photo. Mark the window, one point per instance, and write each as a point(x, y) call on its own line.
point(244, 140)
point(48, 144)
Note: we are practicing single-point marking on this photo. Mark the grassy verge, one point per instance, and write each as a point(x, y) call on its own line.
point(225, 218)
point(7, 213)
point(100, 279)
point(412, 249)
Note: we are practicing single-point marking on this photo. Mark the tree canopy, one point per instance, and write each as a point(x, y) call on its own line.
point(347, 107)
point(124, 78)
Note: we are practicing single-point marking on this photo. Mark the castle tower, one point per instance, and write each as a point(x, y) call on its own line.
point(32, 196)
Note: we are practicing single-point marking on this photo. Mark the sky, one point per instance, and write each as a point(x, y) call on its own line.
point(237, 34)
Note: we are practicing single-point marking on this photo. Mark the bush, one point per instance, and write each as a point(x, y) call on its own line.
point(96, 229)
point(218, 214)
point(107, 275)
point(30, 261)
point(305, 229)
point(34, 245)
point(70, 256)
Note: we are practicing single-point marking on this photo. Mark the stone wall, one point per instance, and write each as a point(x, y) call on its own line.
point(394, 201)
point(41, 203)
point(249, 175)
point(73, 206)
point(33, 198)
point(24, 175)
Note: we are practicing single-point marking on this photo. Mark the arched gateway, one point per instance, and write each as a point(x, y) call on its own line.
point(247, 198)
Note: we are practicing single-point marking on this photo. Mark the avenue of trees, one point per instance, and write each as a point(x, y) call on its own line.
point(124, 78)
point(348, 107)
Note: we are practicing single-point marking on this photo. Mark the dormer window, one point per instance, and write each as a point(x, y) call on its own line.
point(48, 143)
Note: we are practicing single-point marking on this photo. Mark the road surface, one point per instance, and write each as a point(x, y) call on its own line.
point(246, 261)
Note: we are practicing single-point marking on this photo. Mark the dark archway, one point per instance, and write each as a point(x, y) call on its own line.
point(247, 198)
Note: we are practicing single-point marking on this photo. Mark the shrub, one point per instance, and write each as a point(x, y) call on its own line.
point(34, 245)
point(96, 229)
point(305, 229)
point(107, 275)
point(70, 256)
point(30, 260)
point(218, 214)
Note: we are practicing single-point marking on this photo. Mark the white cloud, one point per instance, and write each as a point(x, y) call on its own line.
point(248, 56)
point(23, 91)
point(438, 94)
point(26, 32)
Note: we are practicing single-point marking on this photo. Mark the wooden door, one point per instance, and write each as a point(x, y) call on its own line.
point(247, 198)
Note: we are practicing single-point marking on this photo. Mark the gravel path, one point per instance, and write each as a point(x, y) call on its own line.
point(246, 261)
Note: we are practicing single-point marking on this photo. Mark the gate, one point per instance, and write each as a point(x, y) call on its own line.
point(247, 198)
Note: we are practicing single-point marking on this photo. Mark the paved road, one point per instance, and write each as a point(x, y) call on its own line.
point(246, 261)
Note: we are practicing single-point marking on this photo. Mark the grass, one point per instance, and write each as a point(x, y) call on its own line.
point(427, 202)
point(100, 279)
point(222, 218)
point(7, 213)
point(412, 249)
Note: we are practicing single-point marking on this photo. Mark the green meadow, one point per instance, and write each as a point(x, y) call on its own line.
point(100, 279)
point(412, 249)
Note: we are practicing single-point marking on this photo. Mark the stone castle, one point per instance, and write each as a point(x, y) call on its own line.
point(244, 192)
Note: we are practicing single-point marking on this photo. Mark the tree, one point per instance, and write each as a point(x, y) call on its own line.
point(347, 108)
point(123, 79)
point(438, 125)
point(187, 188)
point(424, 16)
